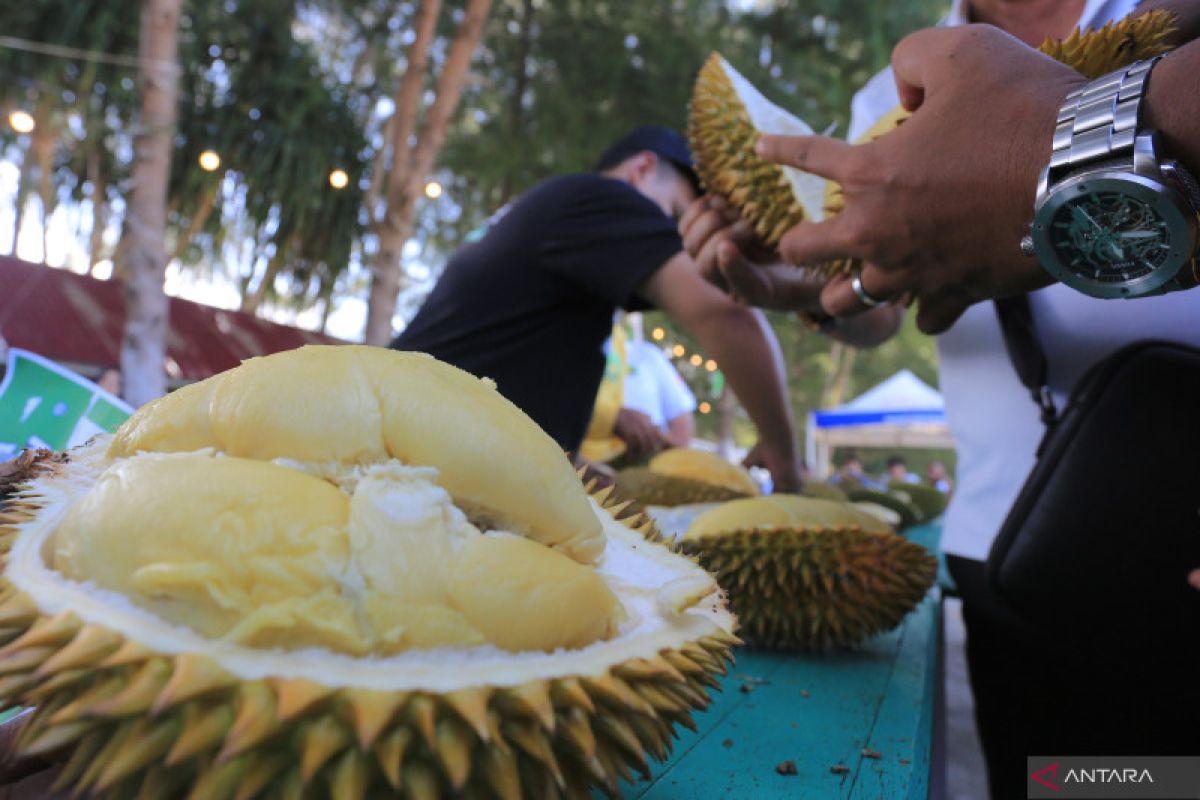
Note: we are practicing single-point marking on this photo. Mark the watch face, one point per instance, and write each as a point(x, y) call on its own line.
point(1113, 234)
point(1110, 237)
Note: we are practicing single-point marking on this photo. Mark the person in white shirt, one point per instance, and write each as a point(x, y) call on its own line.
point(996, 428)
point(655, 388)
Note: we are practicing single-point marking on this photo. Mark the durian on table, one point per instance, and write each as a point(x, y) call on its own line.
point(727, 115)
point(683, 476)
point(342, 572)
point(809, 573)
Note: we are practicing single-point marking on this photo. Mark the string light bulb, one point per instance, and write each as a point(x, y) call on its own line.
point(658, 334)
point(209, 161)
point(21, 121)
point(678, 351)
point(710, 365)
point(433, 190)
point(705, 407)
point(696, 359)
point(338, 179)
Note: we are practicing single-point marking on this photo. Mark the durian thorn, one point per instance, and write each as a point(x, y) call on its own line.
point(532, 699)
point(530, 739)
point(138, 696)
point(88, 648)
point(350, 777)
point(56, 630)
point(105, 686)
point(421, 782)
point(500, 769)
point(453, 751)
point(147, 742)
point(219, 780)
point(82, 754)
point(13, 686)
point(193, 676)
point(389, 752)
point(615, 729)
point(295, 696)
point(472, 705)
point(370, 711)
point(421, 713)
point(569, 692)
point(18, 610)
point(118, 737)
point(615, 693)
point(130, 652)
point(25, 660)
point(53, 686)
point(647, 669)
point(260, 771)
point(576, 730)
point(255, 721)
point(321, 740)
point(204, 727)
point(54, 737)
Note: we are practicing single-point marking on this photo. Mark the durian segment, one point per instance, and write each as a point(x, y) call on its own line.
point(728, 114)
point(781, 512)
point(809, 573)
point(350, 405)
point(165, 713)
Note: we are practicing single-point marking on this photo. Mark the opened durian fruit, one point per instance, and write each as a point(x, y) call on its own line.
point(346, 572)
point(682, 476)
point(728, 115)
point(808, 573)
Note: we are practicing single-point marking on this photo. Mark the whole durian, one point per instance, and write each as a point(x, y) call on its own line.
point(728, 115)
point(683, 476)
point(807, 573)
point(342, 572)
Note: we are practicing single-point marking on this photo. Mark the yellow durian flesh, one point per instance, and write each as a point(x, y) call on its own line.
point(267, 556)
point(781, 512)
point(358, 405)
point(698, 465)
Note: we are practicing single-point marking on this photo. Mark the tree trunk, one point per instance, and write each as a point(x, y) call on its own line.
point(726, 404)
point(143, 348)
point(516, 118)
point(837, 379)
point(22, 195)
point(251, 300)
point(99, 182)
point(42, 148)
point(410, 168)
point(207, 203)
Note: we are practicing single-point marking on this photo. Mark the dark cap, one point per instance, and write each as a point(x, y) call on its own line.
point(662, 141)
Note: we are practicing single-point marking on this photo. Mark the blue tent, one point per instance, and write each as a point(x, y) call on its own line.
point(903, 411)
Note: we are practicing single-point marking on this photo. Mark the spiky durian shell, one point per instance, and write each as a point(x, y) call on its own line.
point(722, 137)
point(806, 588)
point(825, 491)
point(124, 721)
point(909, 513)
point(650, 488)
point(927, 499)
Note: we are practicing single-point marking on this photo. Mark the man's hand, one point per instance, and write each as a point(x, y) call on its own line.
point(1194, 579)
point(642, 438)
point(732, 256)
point(785, 471)
point(938, 206)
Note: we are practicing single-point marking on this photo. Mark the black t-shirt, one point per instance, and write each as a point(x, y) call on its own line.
point(531, 304)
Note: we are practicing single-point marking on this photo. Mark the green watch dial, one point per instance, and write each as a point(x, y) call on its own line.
point(1109, 237)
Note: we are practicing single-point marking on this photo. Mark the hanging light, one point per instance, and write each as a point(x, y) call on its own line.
point(658, 334)
point(338, 179)
point(21, 121)
point(678, 351)
point(696, 359)
point(705, 407)
point(433, 190)
point(209, 161)
point(710, 365)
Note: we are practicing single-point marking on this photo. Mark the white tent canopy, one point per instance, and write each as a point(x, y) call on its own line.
point(903, 411)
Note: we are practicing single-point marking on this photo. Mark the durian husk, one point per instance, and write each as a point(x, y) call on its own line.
point(824, 491)
point(909, 513)
point(929, 500)
point(817, 585)
point(649, 488)
point(124, 721)
point(722, 138)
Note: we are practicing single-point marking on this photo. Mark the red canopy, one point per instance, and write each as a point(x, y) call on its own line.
point(79, 320)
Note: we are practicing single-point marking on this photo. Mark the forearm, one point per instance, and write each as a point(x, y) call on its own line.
point(680, 430)
point(1172, 106)
point(744, 346)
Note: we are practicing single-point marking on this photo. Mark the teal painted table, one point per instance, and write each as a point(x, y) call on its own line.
point(856, 724)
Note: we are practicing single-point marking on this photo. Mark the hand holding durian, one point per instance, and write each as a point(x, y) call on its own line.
point(935, 207)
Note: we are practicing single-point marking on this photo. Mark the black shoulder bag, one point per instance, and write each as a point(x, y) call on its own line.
point(1093, 556)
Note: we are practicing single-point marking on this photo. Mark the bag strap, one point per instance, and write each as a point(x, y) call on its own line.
point(1025, 352)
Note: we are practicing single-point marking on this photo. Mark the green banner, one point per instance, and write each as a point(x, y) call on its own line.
point(45, 405)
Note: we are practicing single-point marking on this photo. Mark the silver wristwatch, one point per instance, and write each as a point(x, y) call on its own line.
point(1113, 219)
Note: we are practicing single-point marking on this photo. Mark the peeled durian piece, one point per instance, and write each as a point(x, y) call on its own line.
point(805, 573)
point(728, 115)
point(357, 405)
point(193, 624)
point(682, 476)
